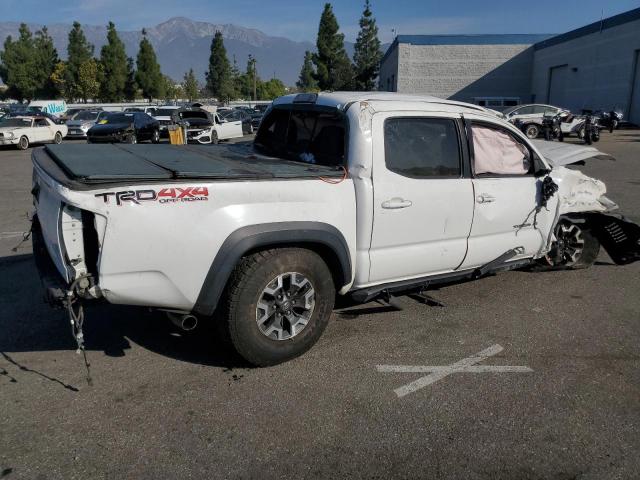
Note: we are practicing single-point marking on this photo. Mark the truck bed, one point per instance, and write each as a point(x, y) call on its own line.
point(86, 166)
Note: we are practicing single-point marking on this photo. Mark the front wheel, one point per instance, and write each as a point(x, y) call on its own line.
point(214, 138)
point(575, 246)
point(155, 136)
point(23, 143)
point(57, 138)
point(278, 303)
point(532, 131)
point(132, 139)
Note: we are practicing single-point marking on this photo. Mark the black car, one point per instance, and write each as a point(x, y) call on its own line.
point(125, 127)
point(242, 115)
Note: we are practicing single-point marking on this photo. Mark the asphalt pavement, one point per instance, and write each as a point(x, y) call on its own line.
point(517, 376)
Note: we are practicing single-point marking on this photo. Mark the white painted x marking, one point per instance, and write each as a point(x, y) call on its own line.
point(466, 365)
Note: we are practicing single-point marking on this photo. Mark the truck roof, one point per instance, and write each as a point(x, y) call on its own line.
point(342, 99)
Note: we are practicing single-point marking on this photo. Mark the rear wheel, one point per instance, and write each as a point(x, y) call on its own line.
point(532, 131)
point(155, 136)
point(575, 247)
point(278, 303)
point(23, 143)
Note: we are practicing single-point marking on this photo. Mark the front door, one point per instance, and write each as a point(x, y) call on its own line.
point(505, 196)
point(423, 204)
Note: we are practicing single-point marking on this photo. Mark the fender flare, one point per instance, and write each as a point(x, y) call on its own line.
point(253, 237)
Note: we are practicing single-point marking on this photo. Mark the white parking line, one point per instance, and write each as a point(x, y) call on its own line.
point(438, 372)
point(4, 235)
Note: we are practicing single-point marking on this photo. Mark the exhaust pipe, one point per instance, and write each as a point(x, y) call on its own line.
point(185, 321)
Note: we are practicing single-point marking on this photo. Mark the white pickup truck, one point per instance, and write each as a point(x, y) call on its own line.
point(360, 194)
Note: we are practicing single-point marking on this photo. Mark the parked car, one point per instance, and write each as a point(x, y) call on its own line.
point(124, 127)
point(242, 115)
point(163, 116)
point(204, 127)
point(256, 118)
point(52, 107)
point(23, 131)
point(148, 110)
point(365, 194)
point(80, 123)
point(530, 116)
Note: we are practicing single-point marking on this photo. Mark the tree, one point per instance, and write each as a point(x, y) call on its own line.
point(219, 73)
point(271, 89)
point(88, 85)
point(130, 86)
point(27, 65)
point(148, 74)
point(367, 54)
point(306, 81)
point(333, 67)
point(46, 57)
point(114, 67)
point(170, 89)
point(59, 79)
point(79, 51)
point(190, 85)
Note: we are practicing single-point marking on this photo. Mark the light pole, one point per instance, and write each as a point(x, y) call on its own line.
point(252, 61)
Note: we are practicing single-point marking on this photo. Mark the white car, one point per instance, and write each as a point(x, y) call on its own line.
point(530, 116)
point(204, 127)
point(366, 194)
point(22, 131)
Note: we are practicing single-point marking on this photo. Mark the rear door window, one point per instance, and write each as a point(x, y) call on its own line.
point(422, 147)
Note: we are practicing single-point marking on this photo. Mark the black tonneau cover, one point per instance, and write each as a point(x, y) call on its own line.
point(115, 163)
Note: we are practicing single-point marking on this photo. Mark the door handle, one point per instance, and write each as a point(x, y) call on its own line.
point(484, 198)
point(396, 203)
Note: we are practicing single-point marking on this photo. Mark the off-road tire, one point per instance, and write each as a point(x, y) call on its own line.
point(532, 131)
point(23, 143)
point(588, 256)
point(244, 289)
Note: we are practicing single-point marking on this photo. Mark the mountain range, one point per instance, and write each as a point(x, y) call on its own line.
point(181, 43)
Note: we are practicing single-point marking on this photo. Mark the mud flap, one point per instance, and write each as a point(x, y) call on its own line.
point(619, 236)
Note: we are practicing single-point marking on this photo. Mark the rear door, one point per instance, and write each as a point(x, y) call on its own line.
point(505, 195)
point(423, 196)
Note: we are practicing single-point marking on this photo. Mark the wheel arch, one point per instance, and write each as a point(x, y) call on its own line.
point(322, 238)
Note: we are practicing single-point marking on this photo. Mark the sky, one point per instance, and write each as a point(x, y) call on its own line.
point(298, 19)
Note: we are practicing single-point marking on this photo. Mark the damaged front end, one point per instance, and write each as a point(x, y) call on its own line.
point(582, 200)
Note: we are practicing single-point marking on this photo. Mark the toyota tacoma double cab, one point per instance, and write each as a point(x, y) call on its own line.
point(361, 194)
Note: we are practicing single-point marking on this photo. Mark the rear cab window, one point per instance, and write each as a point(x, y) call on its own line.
point(312, 135)
point(417, 147)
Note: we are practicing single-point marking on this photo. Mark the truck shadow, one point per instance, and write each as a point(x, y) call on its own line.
point(27, 324)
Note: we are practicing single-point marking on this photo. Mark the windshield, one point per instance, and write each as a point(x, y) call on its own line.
point(510, 109)
point(312, 136)
point(86, 115)
point(117, 118)
point(165, 112)
point(15, 122)
point(188, 115)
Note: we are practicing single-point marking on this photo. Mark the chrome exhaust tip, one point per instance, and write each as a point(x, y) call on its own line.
point(186, 321)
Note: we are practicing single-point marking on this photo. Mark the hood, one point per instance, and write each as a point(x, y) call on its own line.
point(10, 129)
point(197, 122)
point(79, 123)
point(108, 128)
point(559, 153)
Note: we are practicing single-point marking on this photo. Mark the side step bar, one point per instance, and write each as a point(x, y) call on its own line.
point(367, 294)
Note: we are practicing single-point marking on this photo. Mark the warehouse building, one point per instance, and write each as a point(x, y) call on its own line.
point(593, 67)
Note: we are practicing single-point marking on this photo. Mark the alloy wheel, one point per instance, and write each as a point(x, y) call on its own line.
point(285, 306)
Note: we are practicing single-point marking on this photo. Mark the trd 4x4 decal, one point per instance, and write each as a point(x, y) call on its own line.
point(165, 195)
